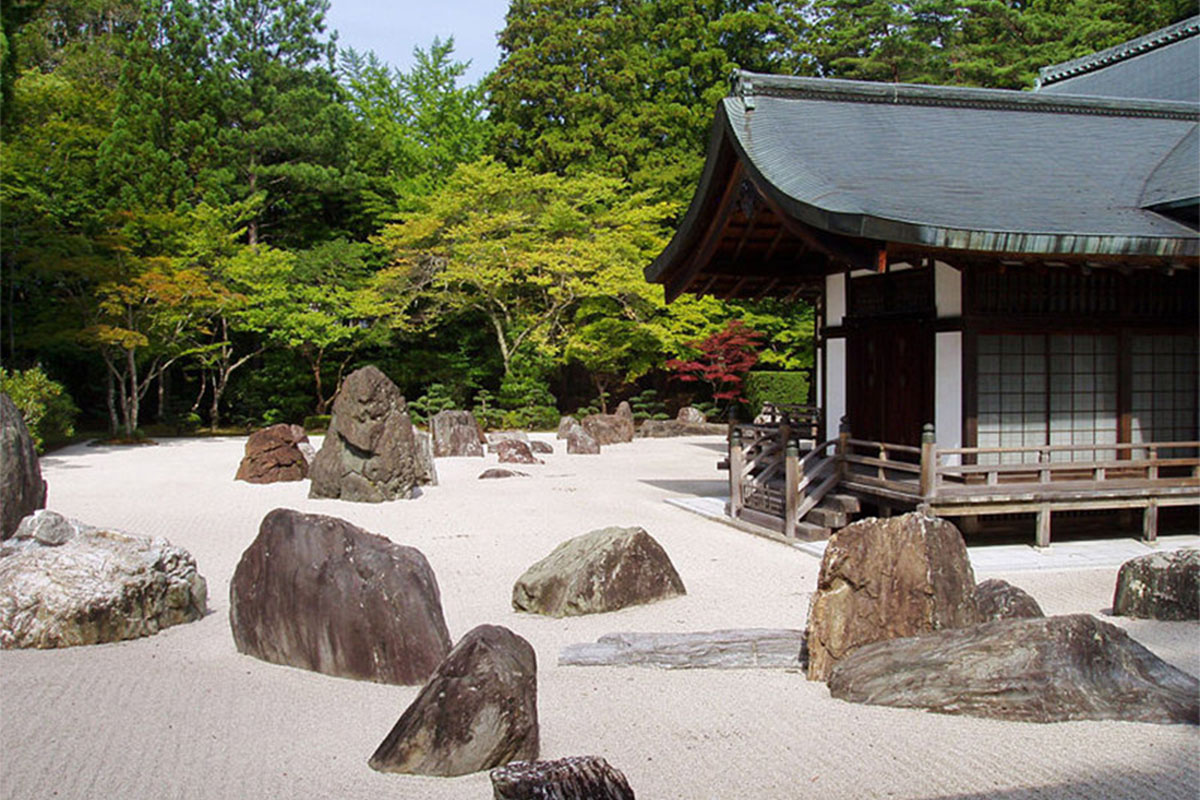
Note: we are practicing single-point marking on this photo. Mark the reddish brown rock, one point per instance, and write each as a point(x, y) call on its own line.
point(22, 490)
point(609, 428)
point(371, 451)
point(997, 599)
point(1162, 586)
point(514, 451)
point(600, 571)
point(885, 579)
point(318, 593)
point(580, 442)
point(273, 454)
point(574, 778)
point(538, 446)
point(1051, 669)
point(456, 433)
point(478, 710)
point(496, 472)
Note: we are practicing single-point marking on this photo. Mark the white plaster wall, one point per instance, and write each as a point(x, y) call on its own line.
point(835, 385)
point(835, 299)
point(948, 285)
point(947, 408)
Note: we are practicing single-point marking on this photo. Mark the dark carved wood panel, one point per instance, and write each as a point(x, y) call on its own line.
point(890, 381)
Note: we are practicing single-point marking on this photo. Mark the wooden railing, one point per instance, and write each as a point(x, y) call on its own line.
point(775, 471)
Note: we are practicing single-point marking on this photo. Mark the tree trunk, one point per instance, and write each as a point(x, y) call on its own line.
point(111, 401)
point(132, 400)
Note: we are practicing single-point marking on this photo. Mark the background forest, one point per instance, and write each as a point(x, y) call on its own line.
point(209, 212)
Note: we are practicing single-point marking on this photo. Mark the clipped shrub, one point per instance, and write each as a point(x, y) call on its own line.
point(775, 387)
point(317, 422)
point(48, 410)
point(527, 400)
point(436, 398)
point(647, 405)
point(485, 410)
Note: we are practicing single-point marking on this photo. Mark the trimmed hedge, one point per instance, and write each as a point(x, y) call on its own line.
point(775, 387)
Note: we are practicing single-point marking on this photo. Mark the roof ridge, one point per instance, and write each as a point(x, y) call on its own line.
point(748, 85)
point(1126, 50)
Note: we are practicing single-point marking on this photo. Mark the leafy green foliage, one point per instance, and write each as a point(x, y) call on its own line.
point(436, 398)
point(648, 405)
point(47, 408)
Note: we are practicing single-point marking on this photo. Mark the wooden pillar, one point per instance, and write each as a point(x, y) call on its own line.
point(1150, 521)
point(1043, 526)
point(737, 463)
point(791, 497)
point(843, 447)
point(928, 461)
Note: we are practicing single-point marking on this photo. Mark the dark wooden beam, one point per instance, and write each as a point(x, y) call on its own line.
point(712, 236)
point(854, 255)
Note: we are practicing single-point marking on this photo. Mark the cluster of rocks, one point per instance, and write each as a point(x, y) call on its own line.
point(688, 422)
point(898, 620)
point(371, 451)
point(65, 583)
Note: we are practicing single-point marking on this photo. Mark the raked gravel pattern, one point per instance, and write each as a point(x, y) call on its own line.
point(182, 715)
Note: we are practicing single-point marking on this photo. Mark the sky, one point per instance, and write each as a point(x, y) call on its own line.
point(393, 29)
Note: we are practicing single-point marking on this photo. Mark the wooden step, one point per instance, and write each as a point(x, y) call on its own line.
point(842, 502)
point(827, 517)
point(810, 532)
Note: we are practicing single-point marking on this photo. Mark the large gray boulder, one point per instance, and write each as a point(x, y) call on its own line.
point(371, 451)
point(604, 570)
point(64, 583)
point(572, 778)
point(885, 579)
point(998, 599)
point(1162, 586)
point(580, 442)
point(273, 455)
point(478, 710)
point(22, 490)
point(564, 425)
point(456, 433)
point(318, 593)
point(1032, 670)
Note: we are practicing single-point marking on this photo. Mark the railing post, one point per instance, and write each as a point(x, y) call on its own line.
point(1152, 470)
point(791, 480)
point(737, 464)
point(1043, 458)
point(928, 461)
point(1150, 521)
point(843, 447)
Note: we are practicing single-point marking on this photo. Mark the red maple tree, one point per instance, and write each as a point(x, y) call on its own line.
point(723, 360)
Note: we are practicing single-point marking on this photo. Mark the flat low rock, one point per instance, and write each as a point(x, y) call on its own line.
point(496, 437)
point(64, 583)
point(538, 446)
point(274, 455)
point(886, 579)
point(999, 599)
point(691, 415)
point(318, 593)
point(1052, 669)
point(22, 490)
point(572, 778)
point(604, 570)
point(498, 472)
point(666, 428)
point(750, 648)
point(1163, 586)
point(478, 710)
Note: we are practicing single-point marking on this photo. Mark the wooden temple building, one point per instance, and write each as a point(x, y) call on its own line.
point(1005, 284)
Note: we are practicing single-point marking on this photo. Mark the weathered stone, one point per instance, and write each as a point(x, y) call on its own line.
point(496, 437)
point(371, 451)
point(538, 446)
point(1162, 586)
point(273, 455)
point(624, 411)
point(22, 490)
point(608, 428)
point(456, 433)
point(580, 442)
point(64, 583)
point(997, 599)
point(661, 429)
point(318, 593)
point(478, 710)
point(426, 467)
point(496, 472)
point(514, 451)
point(888, 578)
point(761, 648)
point(572, 778)
point(564, 426)
point(604, 570)
point(690, 415)
point(1034, 670)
